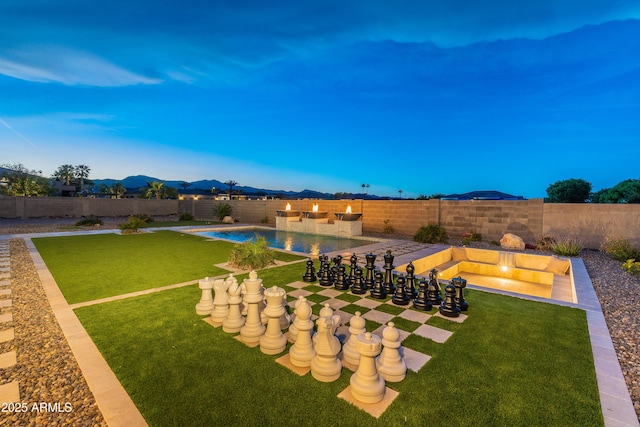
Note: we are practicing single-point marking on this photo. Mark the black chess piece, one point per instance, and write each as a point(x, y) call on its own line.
point(389, 287)
point(340, 280)
point(358, 287)
point(370, 266)
point(324, 274)
point(421, 301)
point(411, 281)
point(310, 274)
point(378, 290)
point(353, 267)
point(448, 306)
point(337, 262)
point(433, 288)
point(400, 296)
point(460, 284)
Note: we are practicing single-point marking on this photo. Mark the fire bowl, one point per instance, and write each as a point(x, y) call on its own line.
point(313, 214)
point(288, 213)
point(347, 216)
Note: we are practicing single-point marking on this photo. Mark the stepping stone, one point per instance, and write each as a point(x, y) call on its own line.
point(365, 302)
point(431, 332)
point(10, 392)
point(458, 319)
point(378, 316)
point(373, 409)
point(5, 282)
point(5, 291)
point(7, 360)
point(6, 318)
point(414, 316)
point(6, 303)
point(7, 335)
point(414, 359)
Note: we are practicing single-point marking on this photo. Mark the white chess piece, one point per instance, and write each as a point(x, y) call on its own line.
point(350, 352)
point(253, 328)
point(301, 353)
point(325, 365)
point(366, 384)
point(234, 320)
point(205, 305)
point(220, 301)
point(390, 364)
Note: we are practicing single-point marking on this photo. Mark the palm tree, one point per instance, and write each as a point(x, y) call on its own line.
point(400, 192)
point(65, 173)
point(155, 189)
point(231, 183)
point(82, 172)
point(117, 190)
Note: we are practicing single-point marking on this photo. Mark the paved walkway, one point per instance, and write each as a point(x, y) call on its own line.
point(118, 409)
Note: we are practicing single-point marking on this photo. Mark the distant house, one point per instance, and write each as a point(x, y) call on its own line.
point(482, 195)
point(64, 190)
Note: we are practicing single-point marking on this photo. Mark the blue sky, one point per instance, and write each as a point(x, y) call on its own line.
point(429, 97)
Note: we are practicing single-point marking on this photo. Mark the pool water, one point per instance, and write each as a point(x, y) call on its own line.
point(296, 242)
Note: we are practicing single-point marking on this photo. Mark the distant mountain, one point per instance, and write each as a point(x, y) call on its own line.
point(134, 183)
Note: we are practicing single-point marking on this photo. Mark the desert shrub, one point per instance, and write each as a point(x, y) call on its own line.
point(631, 266)
point(253, 254)
point(387, 228)
point(567, 246)
point(546, 243)
point(144, 217)
point(220, 210)
point(186, 217)
point(432, 233)
point(495, 243)
point(620, 249)
point(133, 224)
point(265, 220)
point(90, 221)
point(471, 236)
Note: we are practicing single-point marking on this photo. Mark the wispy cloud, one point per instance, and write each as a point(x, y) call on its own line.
point(18, 134)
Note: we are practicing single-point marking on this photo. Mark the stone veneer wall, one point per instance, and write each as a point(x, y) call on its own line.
point(530, 219)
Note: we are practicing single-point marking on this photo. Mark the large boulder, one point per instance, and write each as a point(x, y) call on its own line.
point(511, 241)
point(227, 220)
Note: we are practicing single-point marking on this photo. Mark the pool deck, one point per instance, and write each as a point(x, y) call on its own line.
point(119, 410)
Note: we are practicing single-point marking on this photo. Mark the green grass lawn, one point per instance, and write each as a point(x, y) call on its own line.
point(512, 362)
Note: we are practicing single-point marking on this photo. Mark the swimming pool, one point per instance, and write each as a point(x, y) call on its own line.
point(289, 241)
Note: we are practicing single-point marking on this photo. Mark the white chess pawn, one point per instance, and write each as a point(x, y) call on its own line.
point(350, 352)
point(366, 385)
point(293, 328)
point(206, 299)
point(234, 320)
point(301, 353)
point(390, 364)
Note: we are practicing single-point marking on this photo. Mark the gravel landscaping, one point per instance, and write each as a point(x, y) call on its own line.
point(47, 370)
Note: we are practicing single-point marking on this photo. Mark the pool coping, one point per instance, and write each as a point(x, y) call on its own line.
point(118, 409)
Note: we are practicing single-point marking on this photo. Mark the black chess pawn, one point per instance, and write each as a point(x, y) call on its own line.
point(378, 290)
point(421, 301)
point(358, 287)
point(340, 281)
point(460, 284)
point(448, 306)
point(411, 281)
point(400, 296)
point(389, 287)
point(310, 274)
point(337, 262)
point(325, 277)
point(370, 266)
point(433, 288)
point(353, 267)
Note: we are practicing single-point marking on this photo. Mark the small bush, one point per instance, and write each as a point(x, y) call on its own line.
point(620, 249)
point(220, 210)
point(546, 243)
point(133, 224)
point(186, 217)
point(253, 254)
point(144, 217)
point(387, 228)
point(265, 220)
point(495, 243)
point(89, 221)
point(567, 246)
point(471, 236)
point(432, 233)
point(631, 266)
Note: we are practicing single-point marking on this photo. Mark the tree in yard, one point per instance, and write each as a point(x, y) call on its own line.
point(627, 191)
point(185, 185)
point(154, 190)
point(65, 173)
point(20, 181)
point(400, 192)
point(231, 183)
point(569, 191)
point(82, 172)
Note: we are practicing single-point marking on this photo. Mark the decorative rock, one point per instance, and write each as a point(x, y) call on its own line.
point(512, 241)
point(325, 365)
point(301, 352)
point(448, 306)
point(234, 320)
point(367, 386)
point(253, 328)
point(228, 220)
point(310, 274)
point(273, 341)
point(206, 299)
point(390, 364)
point(349, 350)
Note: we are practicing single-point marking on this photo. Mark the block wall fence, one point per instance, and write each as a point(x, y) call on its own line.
point(530, 219)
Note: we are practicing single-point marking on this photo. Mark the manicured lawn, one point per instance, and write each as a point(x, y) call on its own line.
point(90, 267)
point(512, 362)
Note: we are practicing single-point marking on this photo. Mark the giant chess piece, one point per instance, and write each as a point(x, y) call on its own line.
point(391, 365)
point(273, 341)
point(301, 352)
point(353, 268)
point(421, 301)
point(350, 353)
point(337, 262)
point(369, 266)
point(285, 319)
point(400, 296)
point(205, 305)
point(358, 287)
point(325, 365)
point(448, 306)
point(234, 320)
point(340, 281)
point(310, 274)
point(253, 328)
point(433, 288)
point(220, 301)
point(325, 278)
point(389, 287)
point(367, 385)
point(411, 281)
point(460, 284)
point(378, 290)
point(292, 333)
